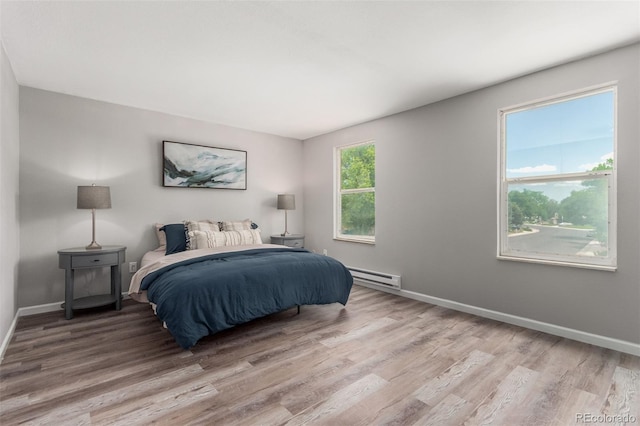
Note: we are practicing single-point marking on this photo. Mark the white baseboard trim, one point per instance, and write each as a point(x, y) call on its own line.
point(8, 336)
point(556, 330)
point(39, 309)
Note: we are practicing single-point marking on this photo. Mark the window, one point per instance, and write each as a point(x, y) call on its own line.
point(355, 201)
point(557, 180)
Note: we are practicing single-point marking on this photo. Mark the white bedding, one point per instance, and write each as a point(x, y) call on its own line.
point(154, 260)
point(151, 256)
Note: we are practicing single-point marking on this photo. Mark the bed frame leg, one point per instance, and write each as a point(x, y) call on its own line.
point(298, 309)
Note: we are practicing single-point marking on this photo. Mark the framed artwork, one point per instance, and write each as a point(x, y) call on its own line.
point(187, 165)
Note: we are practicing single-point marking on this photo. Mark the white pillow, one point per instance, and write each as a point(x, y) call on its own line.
point(211, 239)
point(199, 225)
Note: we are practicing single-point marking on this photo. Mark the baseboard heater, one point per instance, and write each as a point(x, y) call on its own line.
point(376, 278)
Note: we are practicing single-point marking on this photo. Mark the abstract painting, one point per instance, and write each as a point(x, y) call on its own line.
point(196, 166)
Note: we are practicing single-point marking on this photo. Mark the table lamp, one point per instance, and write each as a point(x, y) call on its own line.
point(94, 197)
point(286, 202)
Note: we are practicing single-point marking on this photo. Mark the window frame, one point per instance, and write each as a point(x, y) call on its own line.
point(338, 192)
point(608, 263)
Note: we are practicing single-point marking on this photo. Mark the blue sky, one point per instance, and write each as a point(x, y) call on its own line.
point(567, 137)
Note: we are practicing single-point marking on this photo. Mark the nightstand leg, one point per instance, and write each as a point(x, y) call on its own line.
point(116, 285)
point(68, 294)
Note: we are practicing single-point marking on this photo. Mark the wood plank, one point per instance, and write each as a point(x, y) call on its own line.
point(623, 398)
point(505, 399)
point(449, 411)
point(328, 410)
point(434, 390)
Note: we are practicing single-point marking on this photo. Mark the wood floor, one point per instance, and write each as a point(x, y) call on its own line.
point(381, 360)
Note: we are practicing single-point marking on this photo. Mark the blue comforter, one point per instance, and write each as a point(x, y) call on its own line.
point(202, 296)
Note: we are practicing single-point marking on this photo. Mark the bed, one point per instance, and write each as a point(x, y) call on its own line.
point(220, 280)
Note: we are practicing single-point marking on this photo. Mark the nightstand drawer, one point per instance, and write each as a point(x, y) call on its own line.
point(95, 260)
point(299, 243)
point(295, 240)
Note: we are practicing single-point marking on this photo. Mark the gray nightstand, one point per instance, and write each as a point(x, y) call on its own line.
point(290, 240)
point(81, 258)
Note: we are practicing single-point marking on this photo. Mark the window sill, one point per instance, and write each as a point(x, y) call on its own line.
point(355, 240)
point(607, 268)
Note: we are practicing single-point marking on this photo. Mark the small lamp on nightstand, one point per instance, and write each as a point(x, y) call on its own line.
point(94, 197)
point(286, 202)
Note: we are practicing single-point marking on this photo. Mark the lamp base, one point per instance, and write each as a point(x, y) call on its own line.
point(94, 246)
point(285, 234)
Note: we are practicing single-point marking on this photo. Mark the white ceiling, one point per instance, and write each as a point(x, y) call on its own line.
point(298, 69)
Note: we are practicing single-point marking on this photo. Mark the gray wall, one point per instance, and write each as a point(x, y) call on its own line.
point(68, 141)
point(436, 204)
point(9, 151)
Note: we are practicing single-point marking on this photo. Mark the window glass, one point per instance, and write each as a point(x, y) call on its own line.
point(355, 192)
point(571, 136)
point(557, 197)
point(358, 214)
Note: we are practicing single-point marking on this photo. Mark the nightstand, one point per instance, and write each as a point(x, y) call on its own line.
point(81, 258)
point(289, 240)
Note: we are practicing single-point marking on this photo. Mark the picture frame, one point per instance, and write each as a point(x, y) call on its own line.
point(187, 165)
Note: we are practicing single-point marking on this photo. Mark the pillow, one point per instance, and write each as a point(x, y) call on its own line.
point(176, 237)
point(199, 225)
point(208, 239)
point(202, 225)
point(211, 239)
point(162, 237)
point(242, 238)
point(237, 225)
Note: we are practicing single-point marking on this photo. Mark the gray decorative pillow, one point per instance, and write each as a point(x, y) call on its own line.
point(236, 225)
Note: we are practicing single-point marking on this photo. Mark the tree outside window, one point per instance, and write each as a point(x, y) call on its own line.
point(355, 195)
